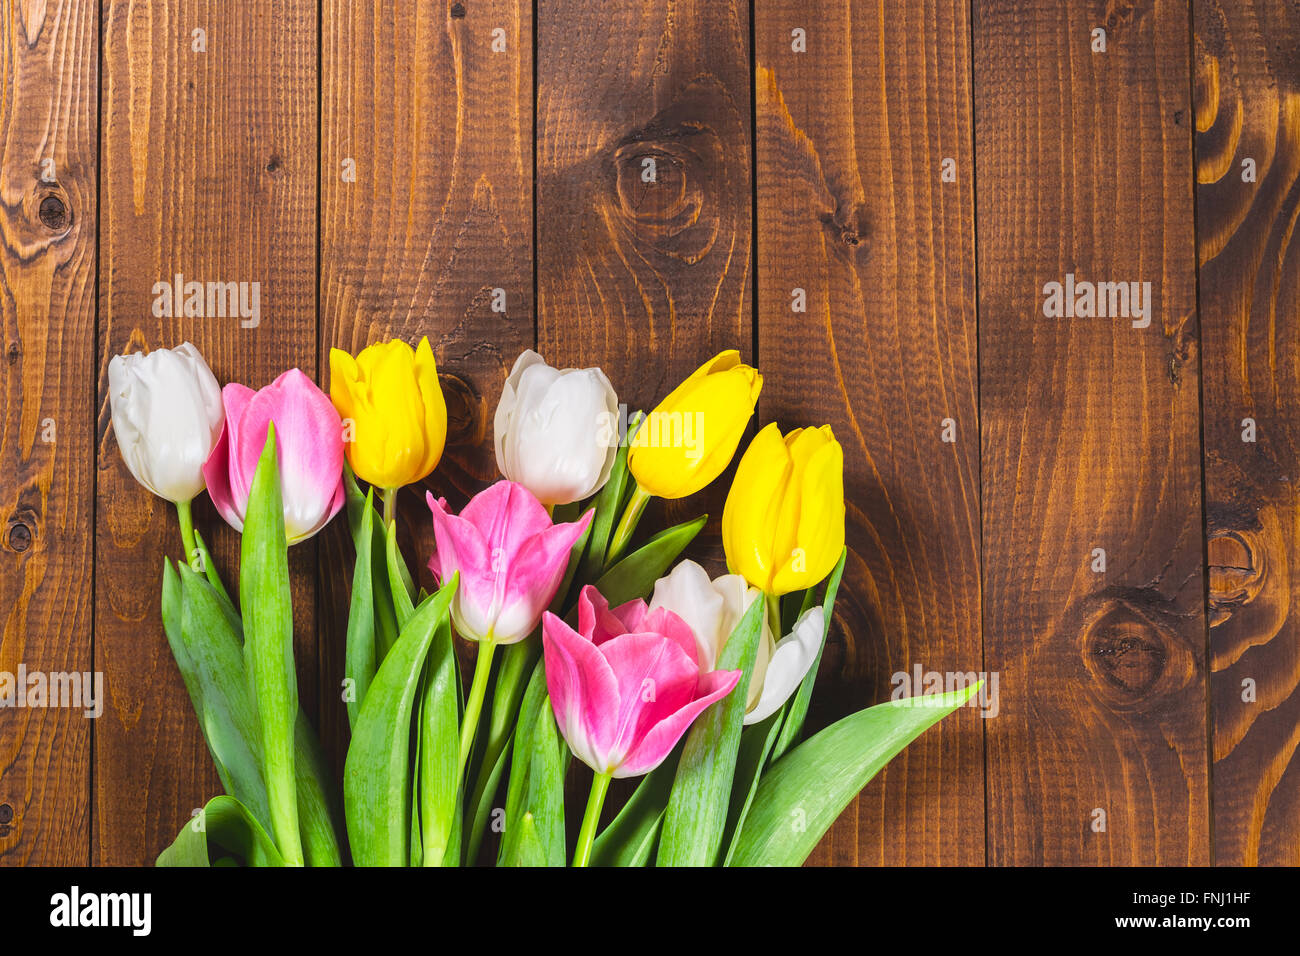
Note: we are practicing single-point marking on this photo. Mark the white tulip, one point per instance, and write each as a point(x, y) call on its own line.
point(553, 430)
point(167, 415)
point(713, 608)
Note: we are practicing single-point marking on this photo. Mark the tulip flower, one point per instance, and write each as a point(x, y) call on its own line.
point(624, 688)
point(689, 438)
point(549, 427)
point(390, 397)
point(713, 608)
point(783, 522)
point(511, 559)
point(309, 446)
point(692, 434)
point(167, 415)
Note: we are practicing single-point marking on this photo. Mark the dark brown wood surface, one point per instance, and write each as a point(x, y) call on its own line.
point(852, 135)
point(1247, 75)
point(395, 169)
point(1091, 438)
point(208, 169)
point(48, 185)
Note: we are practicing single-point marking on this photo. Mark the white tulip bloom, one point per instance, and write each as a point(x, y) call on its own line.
point(553, 430)
point(167, 415)
point(713, 608)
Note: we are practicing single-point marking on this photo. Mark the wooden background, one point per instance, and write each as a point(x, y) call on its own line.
point(499, 144)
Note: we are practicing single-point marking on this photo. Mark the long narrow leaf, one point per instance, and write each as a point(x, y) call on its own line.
point(224, 824)
point(536, 788)
point(755, 746)
point(803, 793)
point(377, 773)
point(696, 818)
point(631, 837)
point(268, 645)
point(359, 653)
point(635, 575)
point(439, 748)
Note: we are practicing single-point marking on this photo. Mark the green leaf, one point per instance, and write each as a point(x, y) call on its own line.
point(210, 571)
point(800, 797)
point(354, 502)
point(399, 577)
point(527, 849)
point(172, 598)
point(696, 818)
point(377, 773)
point(224, 824)
point(792, 730)
point(631, 837)
point(481, 800)
point(268, 645)
point(226, 710)
point(755, 745)
point(439, 748)
point(607, 505)
point(359, 656)
point(318, 810)
point(536, 789)
point(635, 575)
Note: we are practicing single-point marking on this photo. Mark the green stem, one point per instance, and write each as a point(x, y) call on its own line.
point(590, 819)
point(774, 615)
point(187, 530)
point(627, 525)
point(474, 704)
point(390, 506)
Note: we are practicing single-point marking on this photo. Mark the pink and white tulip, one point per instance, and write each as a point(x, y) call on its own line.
point(309, 446)
point(510, 556)
point(627, 684)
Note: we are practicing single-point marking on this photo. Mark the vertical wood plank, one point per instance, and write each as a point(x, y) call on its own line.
point(1090, 437)
point(48, 132)
point(209, 163)
point(858, 109)
point(647, 279)
point(431, 104)
point(1247, 99)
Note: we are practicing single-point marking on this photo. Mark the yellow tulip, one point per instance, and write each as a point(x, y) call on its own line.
point(692, 435)
point(783, 523)
point(390, 397)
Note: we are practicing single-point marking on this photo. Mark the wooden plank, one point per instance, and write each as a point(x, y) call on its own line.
point(645, 274)
point(209, 171)
point(858, 109)
point(431, 105)
point(1090, 437)
point(48, 152)
point(1247, 98)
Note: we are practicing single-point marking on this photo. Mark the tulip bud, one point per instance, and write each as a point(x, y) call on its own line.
point(783, 523)
point(309, 448)
point(690, 437)
point(556, 430)
point(714, 608)
point(393, 410)
point(511, 560)
point(167, 415)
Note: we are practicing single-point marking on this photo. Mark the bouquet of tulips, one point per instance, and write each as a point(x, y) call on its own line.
point(593, 640)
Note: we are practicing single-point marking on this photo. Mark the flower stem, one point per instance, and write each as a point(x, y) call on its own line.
point(474, 703)
point(774, 615)
point(590, 819)
point(627, 525)
point(390, 506)
point(187, 530)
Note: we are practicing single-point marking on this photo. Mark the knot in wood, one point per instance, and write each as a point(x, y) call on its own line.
point(54, 213)
point(466, 421)
point(666, 189)
point(20, 537)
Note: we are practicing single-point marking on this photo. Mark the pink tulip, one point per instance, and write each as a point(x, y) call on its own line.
point(309, 446)
point(627, 684)
point(511, 560)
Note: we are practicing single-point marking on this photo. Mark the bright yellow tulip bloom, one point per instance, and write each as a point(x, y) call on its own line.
point(692, 435)
point(783, 523)
point(390, 396)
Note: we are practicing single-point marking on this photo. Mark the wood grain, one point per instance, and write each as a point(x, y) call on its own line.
point(209, 170)
point(852, 133)
point(1090, 437)
point(1247, 98)
point(646, 279)
point(48, 112)
point(433, 104)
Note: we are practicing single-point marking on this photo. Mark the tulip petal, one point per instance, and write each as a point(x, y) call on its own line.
point(583, 692)
point(216, 475)
point(791, 660)
point(747, 523)
point(655, 680)
point(659, 742)
point(461, 547)
point(533, 575)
